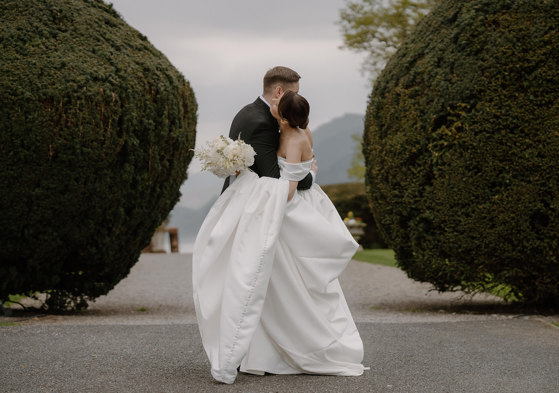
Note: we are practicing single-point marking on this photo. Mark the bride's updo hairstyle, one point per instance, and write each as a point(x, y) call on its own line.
point(295, 109)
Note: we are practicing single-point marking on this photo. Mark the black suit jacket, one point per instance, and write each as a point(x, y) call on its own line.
point(256, 126)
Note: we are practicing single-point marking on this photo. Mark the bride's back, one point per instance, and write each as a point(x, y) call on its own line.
point(295, 144)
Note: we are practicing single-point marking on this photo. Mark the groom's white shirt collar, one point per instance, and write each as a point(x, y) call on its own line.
point(266, 102)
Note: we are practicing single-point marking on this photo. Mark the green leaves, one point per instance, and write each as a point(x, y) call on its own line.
point(378, 28)
point(461, 146)
point(96, 128)
point(357, 168)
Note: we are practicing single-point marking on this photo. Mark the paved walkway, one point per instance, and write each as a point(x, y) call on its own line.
point(142, 337)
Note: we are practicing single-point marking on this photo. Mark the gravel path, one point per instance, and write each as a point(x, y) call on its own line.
point(142, 337)
point(158, 290)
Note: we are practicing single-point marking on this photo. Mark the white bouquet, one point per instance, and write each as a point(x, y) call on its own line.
point(225, 157)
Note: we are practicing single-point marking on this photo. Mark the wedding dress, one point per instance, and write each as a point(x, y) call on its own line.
point(265, 281)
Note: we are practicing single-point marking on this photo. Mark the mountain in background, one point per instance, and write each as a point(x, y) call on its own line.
point(333, 147)
point(199, 192)
point(188, 222)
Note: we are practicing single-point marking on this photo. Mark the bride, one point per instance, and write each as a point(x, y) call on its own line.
point(266, 263)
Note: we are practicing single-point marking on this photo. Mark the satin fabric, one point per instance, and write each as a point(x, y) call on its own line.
point(265, 280)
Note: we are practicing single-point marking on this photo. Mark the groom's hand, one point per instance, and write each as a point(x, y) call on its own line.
point(314, 170)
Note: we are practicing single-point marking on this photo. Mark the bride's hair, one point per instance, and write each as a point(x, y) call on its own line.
point(295, 109)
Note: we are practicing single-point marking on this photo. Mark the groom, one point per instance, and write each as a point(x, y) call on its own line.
point(257, 127)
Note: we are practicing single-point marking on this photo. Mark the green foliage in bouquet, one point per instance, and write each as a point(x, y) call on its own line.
point(462, 149)
point(96, 132)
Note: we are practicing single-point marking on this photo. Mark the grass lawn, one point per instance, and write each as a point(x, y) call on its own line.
point(386, 257)
point(379, 256)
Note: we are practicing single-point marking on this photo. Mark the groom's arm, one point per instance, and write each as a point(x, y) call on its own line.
point(264, 141)
point(306, 183)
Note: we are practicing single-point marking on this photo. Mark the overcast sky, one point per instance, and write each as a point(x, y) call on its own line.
point(224, 47)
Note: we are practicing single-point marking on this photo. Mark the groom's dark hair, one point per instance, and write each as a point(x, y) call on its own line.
point(281, 75)
point(295, 109)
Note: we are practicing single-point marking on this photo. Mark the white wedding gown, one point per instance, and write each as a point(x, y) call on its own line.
point(265, 281)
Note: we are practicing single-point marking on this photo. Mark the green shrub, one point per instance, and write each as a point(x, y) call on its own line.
point(350, 197)
point(96, 128)
point(462, 148)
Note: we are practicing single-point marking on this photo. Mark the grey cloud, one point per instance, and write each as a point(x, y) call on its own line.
point(275, 18)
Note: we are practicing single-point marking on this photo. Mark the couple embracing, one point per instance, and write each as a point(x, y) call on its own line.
point(267, 258)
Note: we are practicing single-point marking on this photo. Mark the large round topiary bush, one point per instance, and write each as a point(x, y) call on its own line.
point(462, 148)
point(96, 128)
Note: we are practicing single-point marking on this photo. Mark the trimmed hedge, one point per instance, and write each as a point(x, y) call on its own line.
point(462, 149)
point(96, 128)
point(350, 197)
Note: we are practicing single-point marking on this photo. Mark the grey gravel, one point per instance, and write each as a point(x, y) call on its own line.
point(142, 337)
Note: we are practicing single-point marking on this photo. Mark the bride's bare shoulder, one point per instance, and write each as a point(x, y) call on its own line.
point(306, 144)
point(308, 134)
